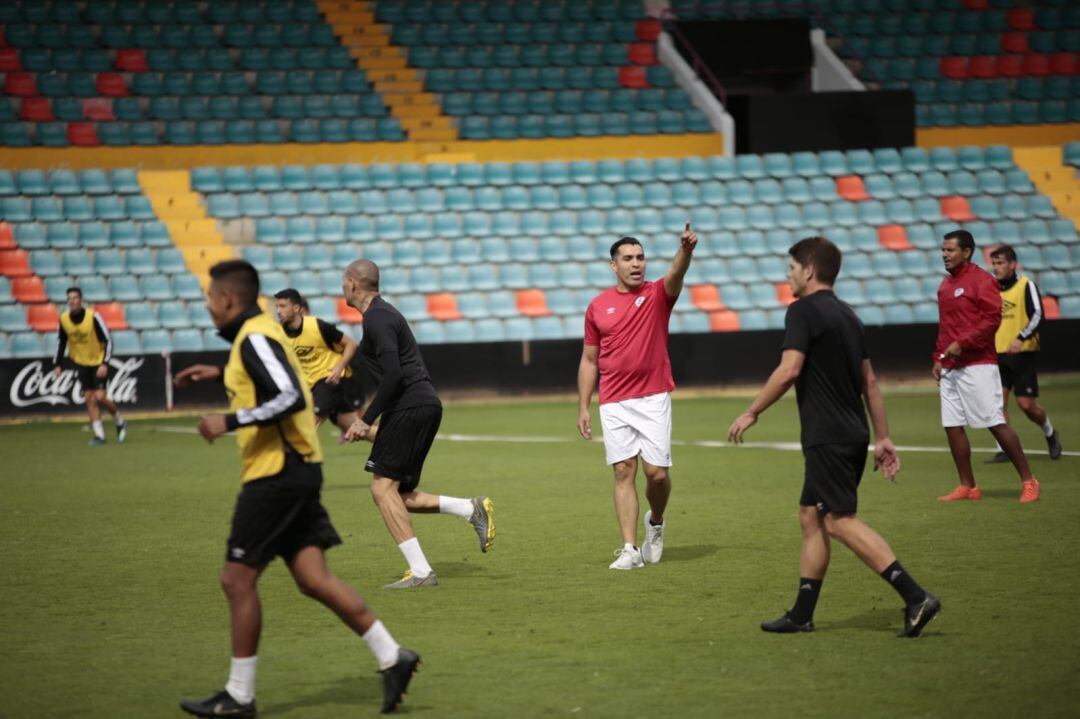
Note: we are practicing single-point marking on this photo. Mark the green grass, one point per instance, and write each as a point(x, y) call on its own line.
point(110, 607)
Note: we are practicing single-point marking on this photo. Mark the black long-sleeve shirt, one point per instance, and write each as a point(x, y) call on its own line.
point(392, 357)
point(100, 330)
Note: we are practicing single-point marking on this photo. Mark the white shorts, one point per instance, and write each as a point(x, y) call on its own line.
point(638, 426)
point(971, 396)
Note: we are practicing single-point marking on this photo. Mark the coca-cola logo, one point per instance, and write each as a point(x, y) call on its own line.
point(34, 384)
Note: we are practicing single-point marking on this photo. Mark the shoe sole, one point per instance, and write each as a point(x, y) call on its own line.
point(489, 512)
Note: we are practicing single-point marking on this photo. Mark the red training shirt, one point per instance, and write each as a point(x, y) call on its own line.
point(631, 330)
point(969, 312)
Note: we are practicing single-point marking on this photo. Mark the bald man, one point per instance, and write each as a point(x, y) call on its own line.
point(410, 413)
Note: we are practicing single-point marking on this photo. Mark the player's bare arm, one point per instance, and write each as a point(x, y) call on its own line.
point(197, 373)
point(779, 382)
point(347, 348)
point(588, 371)
point(673, 279)
point(885, 457)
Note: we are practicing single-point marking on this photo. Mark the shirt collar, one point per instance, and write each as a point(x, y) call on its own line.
point(229, 331)
point(1009, 281)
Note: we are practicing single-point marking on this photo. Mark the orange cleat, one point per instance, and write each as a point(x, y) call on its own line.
point(1029, 491)
point(962, 492)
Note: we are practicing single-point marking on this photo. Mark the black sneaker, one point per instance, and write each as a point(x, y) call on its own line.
point(785, 625)
point(998, 458)
point(1054, 445)
point(917, 616)
point(220, 705)
point(395, 680)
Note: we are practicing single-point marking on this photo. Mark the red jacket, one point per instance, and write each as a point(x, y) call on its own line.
point(969, 312)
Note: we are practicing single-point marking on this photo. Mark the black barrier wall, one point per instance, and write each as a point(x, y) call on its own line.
point(31, 387)
point(515, 368)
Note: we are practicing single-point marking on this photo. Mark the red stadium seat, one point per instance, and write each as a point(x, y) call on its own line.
point(98, 108)
point(7, 237)
point(36, 109)
point(955, 68)
point(532, 303)
point(1021, 18)
point(9, 60)
point(724, 321)
point(633, 76)
point(443, 306)
point(982, 66)
point(1051, 308)
point(131, 60)
point(111, 84)
point(348, 314)
point(1009, 65)
point(784, 293)
point(707, 298)
point(894, 237)
point(851, 187)
point(42, 318)
point(20, 84)
point(1014, 42)
point(112, 313)
point(83, 134)
point(1036, 65)
point(642, 53)
point(956, 208)
point(1063, 63)
point(648, 30)
point(15, 263)
point(29, 290)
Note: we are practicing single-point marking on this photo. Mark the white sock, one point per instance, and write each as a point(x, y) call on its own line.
point(241, 684)
point(99, 429)
point(629, 547)
point(118, 418)
point(455, 506)
point(382, 645)
point(1048, 429)
point(415, 557)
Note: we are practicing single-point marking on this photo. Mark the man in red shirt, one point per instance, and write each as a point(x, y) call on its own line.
point(965, 366)
point(626, 346)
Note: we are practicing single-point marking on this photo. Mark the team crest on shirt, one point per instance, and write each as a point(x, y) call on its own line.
point(638, 302)
point(958, 291)
point(611, 310)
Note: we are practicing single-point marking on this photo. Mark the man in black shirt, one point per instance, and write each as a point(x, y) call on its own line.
point(825, 358)
point(411, 413)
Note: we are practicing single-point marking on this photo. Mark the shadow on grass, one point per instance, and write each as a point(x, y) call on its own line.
point(360, 692)
point(1013, 494)
point(688, 553)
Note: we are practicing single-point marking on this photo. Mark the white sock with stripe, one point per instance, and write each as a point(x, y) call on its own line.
point(455, 506)
point(418, 563)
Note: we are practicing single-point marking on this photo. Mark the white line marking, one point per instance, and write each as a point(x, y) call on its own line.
point(706, 443)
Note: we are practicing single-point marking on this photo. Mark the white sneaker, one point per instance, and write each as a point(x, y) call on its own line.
point(653, 546)
point(627, 559)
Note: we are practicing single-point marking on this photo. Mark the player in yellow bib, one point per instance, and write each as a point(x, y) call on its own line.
point(324, 354)
point(1017, 342)
point(83, 333)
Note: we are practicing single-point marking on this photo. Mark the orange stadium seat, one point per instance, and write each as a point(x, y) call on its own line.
point(956, 208)
point(15, 263)
point(784, 293)
point(706, 298)
point(851, 187)
point(531, 303)
point(112, 313)
point(29, 290)
point(894, 237)
point(725, 321)
point(348, 314)
point(42, 318)
point(443, 306)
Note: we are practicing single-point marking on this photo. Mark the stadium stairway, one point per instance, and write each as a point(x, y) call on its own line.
point(181, 209)
point(1053, 178)
point(401, 88)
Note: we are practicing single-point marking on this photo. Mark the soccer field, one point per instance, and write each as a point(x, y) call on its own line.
point(110, 605)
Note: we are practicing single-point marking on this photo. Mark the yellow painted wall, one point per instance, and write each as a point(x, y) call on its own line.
point(1012, 135)
point(173, 158)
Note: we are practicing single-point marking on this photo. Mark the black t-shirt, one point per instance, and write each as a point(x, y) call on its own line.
point(830, 387)
point(392, 358)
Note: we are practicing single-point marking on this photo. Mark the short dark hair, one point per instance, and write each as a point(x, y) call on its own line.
point(819, 253)
point(304, 304)
point(963, 239)
point(623, 241)
point(76, 290)
point(291, 295)
point(1005, 251)
point(241, 276)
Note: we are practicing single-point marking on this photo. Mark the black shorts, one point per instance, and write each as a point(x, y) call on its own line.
point(1018, 373)
point(88, 378)
point(330, 400)
point(277, 516)
point(833, 472)
point(402, 444)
